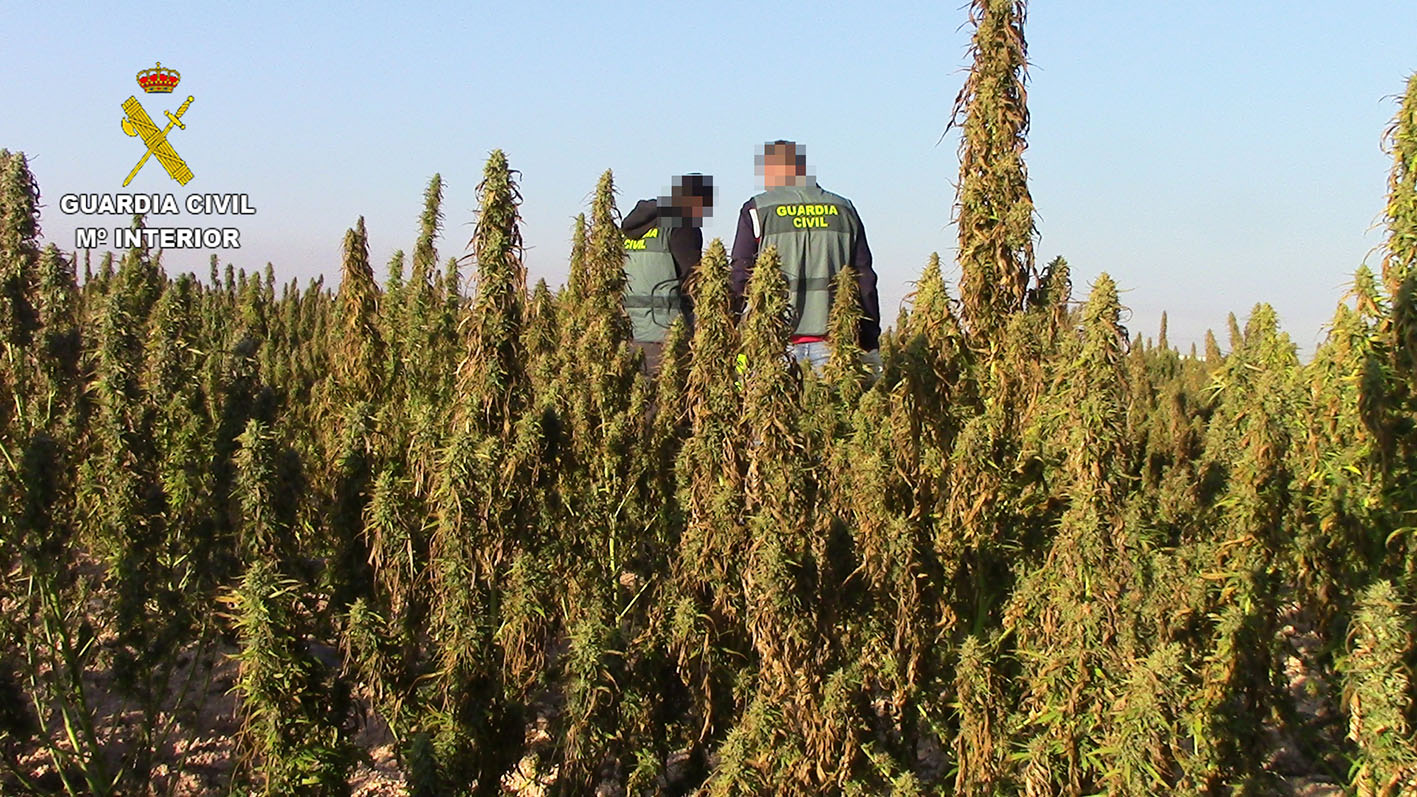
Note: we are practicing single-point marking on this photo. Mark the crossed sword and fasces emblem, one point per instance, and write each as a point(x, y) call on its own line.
point(138, 123)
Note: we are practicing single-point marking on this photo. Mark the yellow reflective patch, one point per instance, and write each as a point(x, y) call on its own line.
point(639, 243)
point(808, 210)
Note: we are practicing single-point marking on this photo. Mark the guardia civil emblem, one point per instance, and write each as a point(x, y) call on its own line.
point(136, 122)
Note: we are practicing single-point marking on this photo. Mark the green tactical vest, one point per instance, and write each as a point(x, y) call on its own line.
point(815, 232)
point(652, 292)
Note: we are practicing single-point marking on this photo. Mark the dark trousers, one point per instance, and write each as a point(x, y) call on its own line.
point(653, 351)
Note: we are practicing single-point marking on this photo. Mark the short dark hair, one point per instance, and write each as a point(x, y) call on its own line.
point(694, 184)
point(782, 150)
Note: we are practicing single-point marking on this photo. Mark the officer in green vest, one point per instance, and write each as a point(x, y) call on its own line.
point(817, 233)
point(663, 242)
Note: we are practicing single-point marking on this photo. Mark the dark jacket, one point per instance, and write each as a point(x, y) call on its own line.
point(686, 244)
point(745, 255)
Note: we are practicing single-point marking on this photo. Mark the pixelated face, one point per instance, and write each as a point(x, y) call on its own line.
point(690, 197)
point(780, 162)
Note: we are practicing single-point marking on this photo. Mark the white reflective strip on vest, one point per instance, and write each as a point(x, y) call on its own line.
point(757, 225)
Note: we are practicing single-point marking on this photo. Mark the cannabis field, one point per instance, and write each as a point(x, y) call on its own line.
point(455, 520)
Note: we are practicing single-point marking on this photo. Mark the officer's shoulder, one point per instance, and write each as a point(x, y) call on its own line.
point(836, 196)
point(644, 214)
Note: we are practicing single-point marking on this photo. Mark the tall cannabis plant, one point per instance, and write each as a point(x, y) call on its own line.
point(993, 208)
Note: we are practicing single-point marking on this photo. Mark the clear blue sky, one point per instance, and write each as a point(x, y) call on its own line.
point(1208, 155)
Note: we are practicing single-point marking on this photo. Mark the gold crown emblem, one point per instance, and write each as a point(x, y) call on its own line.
point(159, 79)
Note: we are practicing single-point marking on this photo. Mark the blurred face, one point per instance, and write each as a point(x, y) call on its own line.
point(691, 200)
point(694, 206)
point(778, 171)
point(780, 163)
